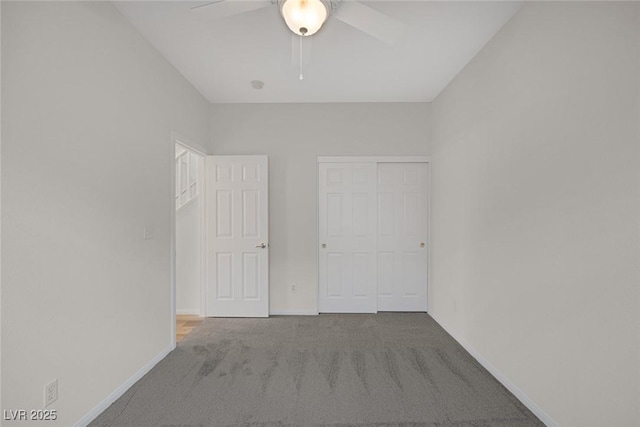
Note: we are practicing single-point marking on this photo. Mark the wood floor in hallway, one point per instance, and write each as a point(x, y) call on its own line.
point(185, 323)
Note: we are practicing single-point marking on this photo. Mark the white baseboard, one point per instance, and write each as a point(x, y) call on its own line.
point(526, 401)
point(293, 312)
point(190, 311)
point(92, 414)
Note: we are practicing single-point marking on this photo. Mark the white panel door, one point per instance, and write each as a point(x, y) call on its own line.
point(347, 233)
point(238, 236)
point(402, 236)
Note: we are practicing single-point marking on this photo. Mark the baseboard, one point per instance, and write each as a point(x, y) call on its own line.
point(293, 312)
point(526, 401)
point(189, 311)
point(91, 415)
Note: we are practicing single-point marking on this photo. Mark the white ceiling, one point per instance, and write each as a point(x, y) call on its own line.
point(221, 57)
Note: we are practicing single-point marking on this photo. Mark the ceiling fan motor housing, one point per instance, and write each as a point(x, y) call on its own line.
point(306, 17)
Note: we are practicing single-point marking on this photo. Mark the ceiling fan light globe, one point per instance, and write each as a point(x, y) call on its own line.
point(308, 14)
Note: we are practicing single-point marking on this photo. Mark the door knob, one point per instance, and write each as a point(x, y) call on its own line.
point(262, 245)
point(422, 244)
point(324, 245)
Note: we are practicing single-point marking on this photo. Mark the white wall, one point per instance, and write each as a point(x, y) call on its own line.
point(88, 110)
point(1, 405)
point(293, 135)
point(535, 204)
point(188, 258)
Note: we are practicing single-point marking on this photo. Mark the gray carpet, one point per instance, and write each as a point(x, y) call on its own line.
point(329, 370)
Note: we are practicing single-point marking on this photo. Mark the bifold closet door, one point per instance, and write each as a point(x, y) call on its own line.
point(402, 236)
point(347, 238)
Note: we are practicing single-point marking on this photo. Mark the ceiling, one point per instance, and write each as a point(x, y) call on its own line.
point(340, 63)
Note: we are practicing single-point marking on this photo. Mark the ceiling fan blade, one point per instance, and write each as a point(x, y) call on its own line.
point(370, 21)
point(224, 8)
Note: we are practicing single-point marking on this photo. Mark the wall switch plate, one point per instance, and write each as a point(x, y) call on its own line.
point(148, 232)
point(50, 392)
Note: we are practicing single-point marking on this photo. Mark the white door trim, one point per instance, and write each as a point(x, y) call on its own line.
point(172, 240)
point(191, 145)
point(374, 159)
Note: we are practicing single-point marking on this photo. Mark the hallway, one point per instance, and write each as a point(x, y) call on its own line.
point(185, 324)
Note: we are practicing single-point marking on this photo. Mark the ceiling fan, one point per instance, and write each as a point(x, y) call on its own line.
point(306, 17)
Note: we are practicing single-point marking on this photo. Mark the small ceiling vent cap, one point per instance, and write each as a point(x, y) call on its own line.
point(257, 84)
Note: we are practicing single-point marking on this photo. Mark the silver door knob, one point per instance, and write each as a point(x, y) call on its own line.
point(422, 244)
point(324, 245)
point(262, 245)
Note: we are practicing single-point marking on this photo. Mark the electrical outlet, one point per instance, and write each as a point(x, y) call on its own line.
point(50, 392)
point(293, 288)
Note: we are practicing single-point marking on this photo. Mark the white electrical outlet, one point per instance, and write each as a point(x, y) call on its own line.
point(50, 392)
point(293, 288)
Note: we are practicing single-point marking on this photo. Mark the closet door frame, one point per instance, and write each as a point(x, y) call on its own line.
point(375, 160)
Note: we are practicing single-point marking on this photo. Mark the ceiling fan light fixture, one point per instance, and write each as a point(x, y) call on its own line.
point(304, 17)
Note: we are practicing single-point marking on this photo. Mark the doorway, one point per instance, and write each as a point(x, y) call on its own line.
point(189, 240)
point(373, 234)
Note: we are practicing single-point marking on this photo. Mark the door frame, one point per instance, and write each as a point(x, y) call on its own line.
point(176, 138)
point(376, 160)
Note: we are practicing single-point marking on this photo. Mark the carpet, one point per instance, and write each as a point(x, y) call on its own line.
point(386, 369)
